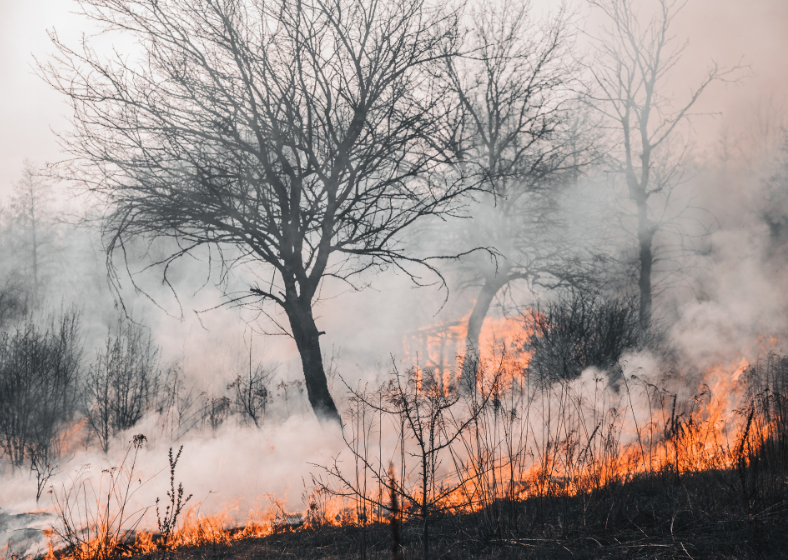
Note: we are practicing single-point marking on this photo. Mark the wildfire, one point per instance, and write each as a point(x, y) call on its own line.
point(440, 347)
point(558, 439)
point(715, 430)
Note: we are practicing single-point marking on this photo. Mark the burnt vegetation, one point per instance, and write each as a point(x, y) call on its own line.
point(678, 492)
point(475, 479)
point(579, 331)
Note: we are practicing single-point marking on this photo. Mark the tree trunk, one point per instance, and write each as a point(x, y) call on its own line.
point(491, 286)
point(425, 511)
point(645, 241)
point(426, 536)
point(307, 339)
point(638, 192)
point(35, 257)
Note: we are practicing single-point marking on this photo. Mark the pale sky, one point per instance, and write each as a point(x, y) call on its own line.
point(754, 31)
point(28, 106)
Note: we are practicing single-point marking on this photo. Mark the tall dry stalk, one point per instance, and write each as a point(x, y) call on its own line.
point(94, 522)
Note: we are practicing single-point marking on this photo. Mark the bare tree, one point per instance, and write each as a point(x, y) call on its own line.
point(632, 70)
point(428, 417)
point(29, 230)
point(179, 404)
point(286, 134)
point(774, 211)
point(39, 371)
point(521, 142)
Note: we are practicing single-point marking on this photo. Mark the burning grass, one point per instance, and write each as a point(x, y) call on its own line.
point(647, 517)
point(517, 467)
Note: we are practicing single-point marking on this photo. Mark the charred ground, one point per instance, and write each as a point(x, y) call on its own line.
point(703, 515)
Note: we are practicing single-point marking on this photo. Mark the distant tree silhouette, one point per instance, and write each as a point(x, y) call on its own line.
point(521, 141)
point(631, 72)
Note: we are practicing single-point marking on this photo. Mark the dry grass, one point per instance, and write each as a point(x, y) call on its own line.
point(696, 480)
point(650, 517)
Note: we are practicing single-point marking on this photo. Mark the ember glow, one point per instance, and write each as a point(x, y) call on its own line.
point(533, 441)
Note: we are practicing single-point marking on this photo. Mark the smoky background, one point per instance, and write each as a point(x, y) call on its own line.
point(718, 303)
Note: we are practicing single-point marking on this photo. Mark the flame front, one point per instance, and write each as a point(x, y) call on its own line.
point(531, 440)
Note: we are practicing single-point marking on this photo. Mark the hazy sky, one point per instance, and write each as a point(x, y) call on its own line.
point(755, 32)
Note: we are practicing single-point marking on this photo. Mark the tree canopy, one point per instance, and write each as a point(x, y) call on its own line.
point(296, 133)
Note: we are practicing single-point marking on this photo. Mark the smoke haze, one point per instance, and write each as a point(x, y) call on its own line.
point(730, 306)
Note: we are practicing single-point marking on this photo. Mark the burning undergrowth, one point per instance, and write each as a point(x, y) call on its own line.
point(609, 463)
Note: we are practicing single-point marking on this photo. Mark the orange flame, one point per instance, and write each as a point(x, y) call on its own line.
point(609, 441)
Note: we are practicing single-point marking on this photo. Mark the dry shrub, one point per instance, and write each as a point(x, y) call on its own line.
point(93, 519)
point(578, 331)
point(122, 383)
point(39, 372)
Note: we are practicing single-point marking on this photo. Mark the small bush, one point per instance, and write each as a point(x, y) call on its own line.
point(39, 371)
point(251, 393)
point(14, 300)
point(122, 382)
point(579, 331)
